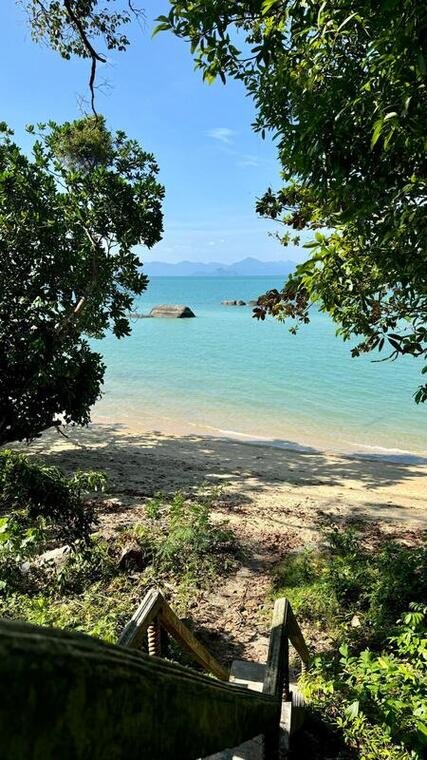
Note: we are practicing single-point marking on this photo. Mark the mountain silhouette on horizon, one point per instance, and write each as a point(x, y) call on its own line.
point(245, 268)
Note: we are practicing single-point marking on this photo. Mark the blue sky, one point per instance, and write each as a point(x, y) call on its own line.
point(212, 165)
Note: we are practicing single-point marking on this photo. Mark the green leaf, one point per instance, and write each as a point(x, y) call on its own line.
point(391, 115)
point(377, 132)
point(163, 27)
point(267, 6)
point(352, 711)
point(346, 21)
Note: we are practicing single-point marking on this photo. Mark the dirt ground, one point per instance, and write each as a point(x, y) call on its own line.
point(276, 500)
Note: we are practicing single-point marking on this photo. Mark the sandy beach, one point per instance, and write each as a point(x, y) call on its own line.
point(276, 500)
point(303, 484)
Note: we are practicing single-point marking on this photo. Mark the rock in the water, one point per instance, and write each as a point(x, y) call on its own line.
point(252, 303)
point(234, 303)
point(172, 310)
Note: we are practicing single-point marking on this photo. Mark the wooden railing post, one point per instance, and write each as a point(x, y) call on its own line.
point(284, 629)
point(276, 682)
point(155, 618)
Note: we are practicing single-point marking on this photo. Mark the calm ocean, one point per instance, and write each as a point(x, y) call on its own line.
point(227, 374)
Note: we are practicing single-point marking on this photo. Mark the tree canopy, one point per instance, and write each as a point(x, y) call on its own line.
point(342, 86)
point(70, 216)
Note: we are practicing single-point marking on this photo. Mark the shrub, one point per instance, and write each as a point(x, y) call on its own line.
point(372, 683)
point(18, 543)
point(44, 491)
point(379, 700)
point(347, 581)
point(180, 538)
point(97, 612)
point(89, 591)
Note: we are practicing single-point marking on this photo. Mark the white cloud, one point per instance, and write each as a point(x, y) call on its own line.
point(248, 160)
point(222, 134)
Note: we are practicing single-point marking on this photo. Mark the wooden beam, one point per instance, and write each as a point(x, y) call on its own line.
point(67, 695)
point(133, 634)
point(296, 637)
point(277, 659)
point(188, 641)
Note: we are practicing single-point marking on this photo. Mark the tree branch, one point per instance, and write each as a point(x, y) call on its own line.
point(93, 54)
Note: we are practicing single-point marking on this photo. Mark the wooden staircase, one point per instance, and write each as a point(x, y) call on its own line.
point(71, 696)
point(251, 675)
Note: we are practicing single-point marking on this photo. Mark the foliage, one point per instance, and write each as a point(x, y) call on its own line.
point(369, 682)
point(378, 700)
point(69, 219)
point(179, 538)
point(348, 582)
point(343, 87)
point(91, 590)
point(41, 491)
point(75, 27)
point(99, 611)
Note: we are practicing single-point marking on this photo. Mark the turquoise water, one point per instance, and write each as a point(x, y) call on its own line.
point(225, 372)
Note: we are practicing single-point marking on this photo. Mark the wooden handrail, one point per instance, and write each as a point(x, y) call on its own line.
point(71, 696)
point(277, 669)
point(68, 695)
point(296, 637)
point(284, 628)
point(134, 632)
point(155, 609)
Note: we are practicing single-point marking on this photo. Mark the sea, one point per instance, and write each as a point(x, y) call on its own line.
point(225, 374)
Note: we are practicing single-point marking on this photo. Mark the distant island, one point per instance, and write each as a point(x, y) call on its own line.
point(246, 268)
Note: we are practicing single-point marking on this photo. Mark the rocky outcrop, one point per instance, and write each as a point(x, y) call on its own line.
point(175, 311)
point(234, 303)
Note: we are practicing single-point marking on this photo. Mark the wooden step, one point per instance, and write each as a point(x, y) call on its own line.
point(250, 675)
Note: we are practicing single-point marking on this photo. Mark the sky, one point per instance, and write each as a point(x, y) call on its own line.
point(212, 164)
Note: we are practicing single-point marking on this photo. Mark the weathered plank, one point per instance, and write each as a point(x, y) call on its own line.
point(277, 670)
point(276, 680)
point(188, 641)
point(296, 638)
point(70, 696)
point(134, 633)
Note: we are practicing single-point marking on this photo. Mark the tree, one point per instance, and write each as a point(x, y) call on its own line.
point(75, 27)
point(69, 218)
point(343, 87)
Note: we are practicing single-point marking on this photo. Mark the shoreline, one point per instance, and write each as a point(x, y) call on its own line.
point(183, 427)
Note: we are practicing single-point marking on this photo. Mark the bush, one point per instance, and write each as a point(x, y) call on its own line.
point(98, 612)
point(44, 491)
point(371, 685)
point(379, 700)
point(90, 590)
point(179, 538)
point(349, 582)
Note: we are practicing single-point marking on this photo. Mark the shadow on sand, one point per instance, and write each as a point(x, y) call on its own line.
point(140, 465)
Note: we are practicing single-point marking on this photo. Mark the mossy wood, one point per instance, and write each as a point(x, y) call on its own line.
point(66, 695)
